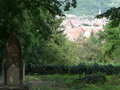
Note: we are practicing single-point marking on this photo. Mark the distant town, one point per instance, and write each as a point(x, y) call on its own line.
point(75, 27)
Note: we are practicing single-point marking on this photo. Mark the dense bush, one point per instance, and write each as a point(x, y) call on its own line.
point(63, 53)
point(80, 69)
point(90, 49)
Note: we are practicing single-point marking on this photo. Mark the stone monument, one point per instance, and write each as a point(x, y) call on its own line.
point(13, 65)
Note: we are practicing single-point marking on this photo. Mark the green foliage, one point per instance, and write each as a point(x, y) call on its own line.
point(111, 43)
point(34, 22)
point(80, 69)
point(62, 53)
point(36, 25)
point(111, 36)
point(90, 49)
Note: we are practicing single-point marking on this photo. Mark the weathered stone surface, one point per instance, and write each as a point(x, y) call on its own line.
point(12, 63)
point(20, 87)
point(13, 88)
point(13, 76)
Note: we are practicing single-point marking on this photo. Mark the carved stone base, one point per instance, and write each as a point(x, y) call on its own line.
point(13, 88)
point(6, 87)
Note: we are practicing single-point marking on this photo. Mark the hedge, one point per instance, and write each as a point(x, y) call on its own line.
point(80, 69)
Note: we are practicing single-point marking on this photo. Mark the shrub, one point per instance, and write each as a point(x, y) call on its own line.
point(80, 69)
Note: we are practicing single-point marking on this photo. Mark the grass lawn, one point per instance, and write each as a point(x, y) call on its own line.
point(73, 82)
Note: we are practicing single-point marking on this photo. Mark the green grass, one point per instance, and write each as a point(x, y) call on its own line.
point(71, 82)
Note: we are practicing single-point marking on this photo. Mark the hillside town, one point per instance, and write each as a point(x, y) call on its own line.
point(75, 27)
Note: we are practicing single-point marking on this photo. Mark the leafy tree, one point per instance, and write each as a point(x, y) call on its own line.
point(111, 42)
point(90, 49)
point(113, 15)
point(32, 20)
point(111, 35)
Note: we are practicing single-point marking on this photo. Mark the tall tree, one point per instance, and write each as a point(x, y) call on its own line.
point(111, 35)
point(32, 20)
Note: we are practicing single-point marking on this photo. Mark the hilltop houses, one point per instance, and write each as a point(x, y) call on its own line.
point(74, 27)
